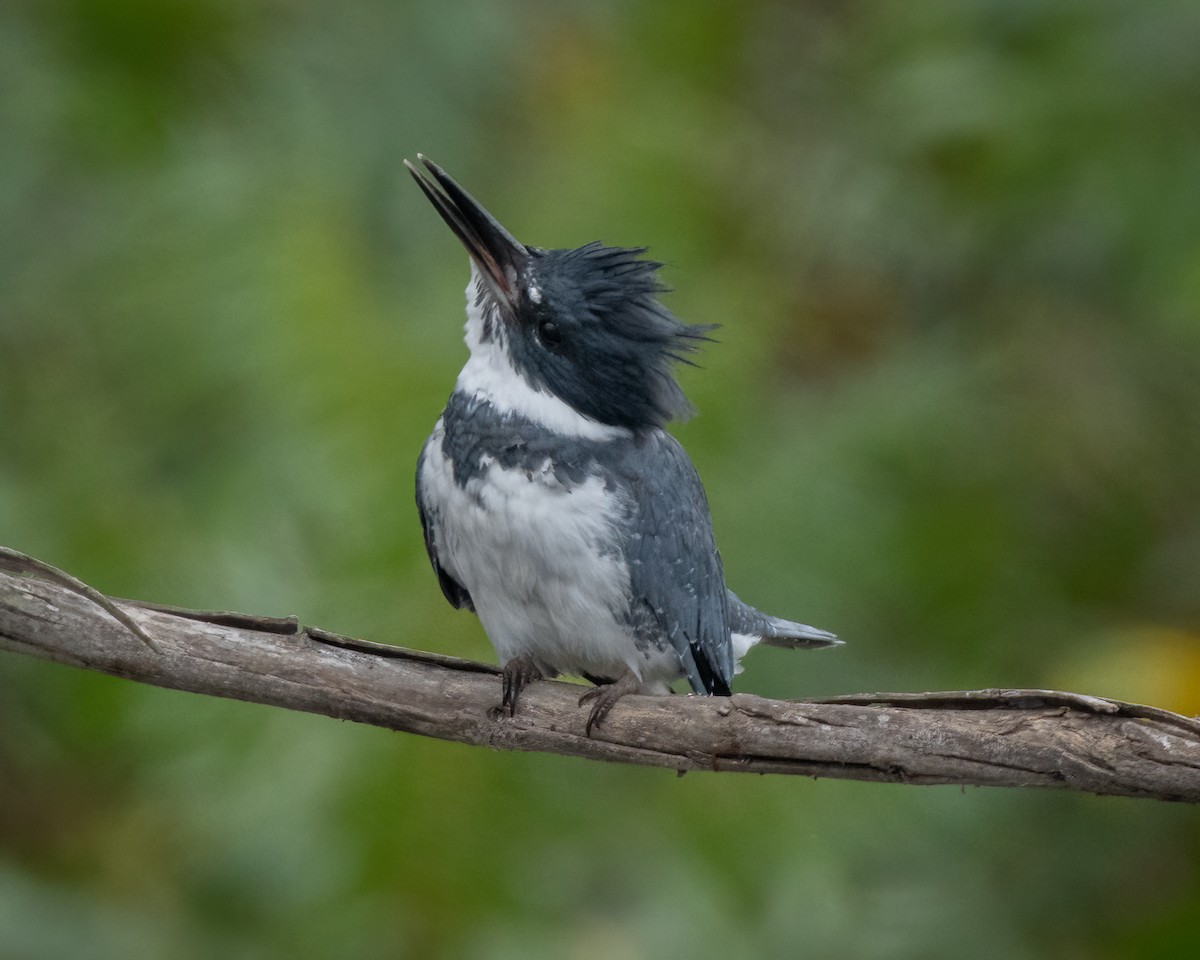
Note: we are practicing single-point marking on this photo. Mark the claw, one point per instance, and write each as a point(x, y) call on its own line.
point(516, 673)
point(606, 697)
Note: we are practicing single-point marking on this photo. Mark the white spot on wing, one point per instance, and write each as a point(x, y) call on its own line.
point(741, 644)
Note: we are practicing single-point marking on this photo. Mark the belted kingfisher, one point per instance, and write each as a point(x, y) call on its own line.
point(553, 502)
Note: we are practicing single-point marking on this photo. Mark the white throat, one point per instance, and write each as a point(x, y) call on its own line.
point(489, 375)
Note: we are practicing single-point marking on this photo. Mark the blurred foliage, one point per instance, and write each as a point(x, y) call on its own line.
point(955, 416)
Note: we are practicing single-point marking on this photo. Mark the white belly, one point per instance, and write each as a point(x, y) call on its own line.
point(541, 563)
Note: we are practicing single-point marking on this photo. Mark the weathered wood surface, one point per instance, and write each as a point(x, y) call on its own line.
point(1013, 738)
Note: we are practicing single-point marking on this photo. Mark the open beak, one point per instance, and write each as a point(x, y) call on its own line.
point(499, 257)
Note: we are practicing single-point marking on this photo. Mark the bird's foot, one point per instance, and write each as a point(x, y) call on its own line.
point(516, 673)
point(607, 695)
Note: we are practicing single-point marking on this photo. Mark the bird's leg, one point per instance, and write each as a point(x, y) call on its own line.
point(607, 695)
point(516, 673)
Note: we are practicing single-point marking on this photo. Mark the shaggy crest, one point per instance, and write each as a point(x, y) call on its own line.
point(592, 331)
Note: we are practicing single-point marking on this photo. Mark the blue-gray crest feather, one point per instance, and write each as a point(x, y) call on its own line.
point(617, 344)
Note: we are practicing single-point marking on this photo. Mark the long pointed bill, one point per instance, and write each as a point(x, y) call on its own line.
point(499, 257)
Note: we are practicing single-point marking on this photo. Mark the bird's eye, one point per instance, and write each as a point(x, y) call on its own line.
point(549, 333)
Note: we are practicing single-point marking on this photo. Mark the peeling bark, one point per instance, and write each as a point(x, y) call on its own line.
point(1013, 738)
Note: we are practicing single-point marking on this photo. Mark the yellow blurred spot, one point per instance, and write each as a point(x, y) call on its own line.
point(1154, 665)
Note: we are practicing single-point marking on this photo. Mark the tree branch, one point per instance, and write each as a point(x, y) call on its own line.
point(1027, 738)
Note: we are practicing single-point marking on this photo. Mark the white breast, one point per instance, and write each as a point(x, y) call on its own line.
point(542, 566)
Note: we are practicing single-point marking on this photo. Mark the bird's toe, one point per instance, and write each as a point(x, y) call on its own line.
point(606, 696)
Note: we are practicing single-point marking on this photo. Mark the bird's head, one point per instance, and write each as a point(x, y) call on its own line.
point(583, 325)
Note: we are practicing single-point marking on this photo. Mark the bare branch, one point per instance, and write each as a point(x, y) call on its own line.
point(1030, 738)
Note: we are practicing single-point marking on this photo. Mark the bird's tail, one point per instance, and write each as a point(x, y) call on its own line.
point(750, 626)
point(788, 633)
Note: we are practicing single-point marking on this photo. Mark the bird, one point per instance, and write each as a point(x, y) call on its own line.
point(554, 503)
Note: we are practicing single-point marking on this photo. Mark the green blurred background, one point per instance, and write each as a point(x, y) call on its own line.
point(954, 415)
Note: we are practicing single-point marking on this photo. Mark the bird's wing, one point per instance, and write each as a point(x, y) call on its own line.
point(675, 570)
point(455, 592)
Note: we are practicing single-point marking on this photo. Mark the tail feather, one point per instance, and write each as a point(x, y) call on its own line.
point(786, 633)
point(758, 627)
